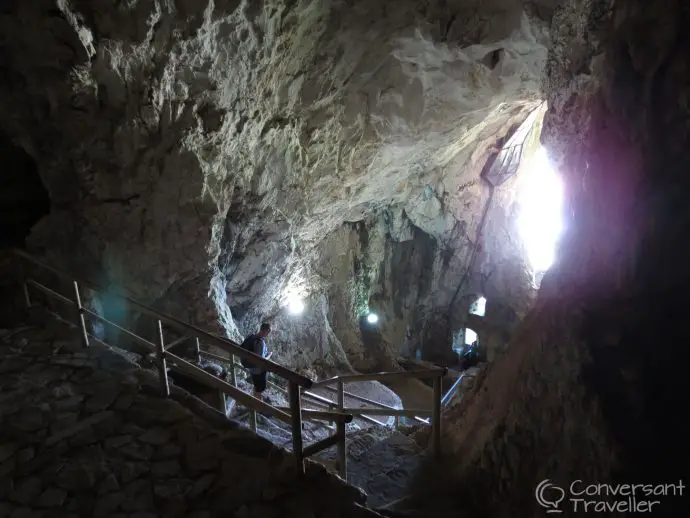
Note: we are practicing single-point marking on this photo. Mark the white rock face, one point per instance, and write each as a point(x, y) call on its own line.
point(204, 155)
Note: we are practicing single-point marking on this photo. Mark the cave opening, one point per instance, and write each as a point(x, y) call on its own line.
point(23, 197)
point(540, 210)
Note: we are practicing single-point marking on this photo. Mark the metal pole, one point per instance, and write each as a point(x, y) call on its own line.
point(296, 414)
point(81, 322)
point(162, 367)
point(436, 418)
point(340, 431)
point(396, 424)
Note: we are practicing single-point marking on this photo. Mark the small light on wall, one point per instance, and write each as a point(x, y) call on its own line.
point(372, 318)
point(295, 305)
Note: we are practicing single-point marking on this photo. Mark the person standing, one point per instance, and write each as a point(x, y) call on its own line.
point(256, 344)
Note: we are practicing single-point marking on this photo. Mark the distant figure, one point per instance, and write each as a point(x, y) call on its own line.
point(256, 344)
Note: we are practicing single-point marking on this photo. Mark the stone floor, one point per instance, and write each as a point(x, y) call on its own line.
point(85, 433)
point(383, 463)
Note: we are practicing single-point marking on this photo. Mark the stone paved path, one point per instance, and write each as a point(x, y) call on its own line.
point(85, 433)
point(381, 462)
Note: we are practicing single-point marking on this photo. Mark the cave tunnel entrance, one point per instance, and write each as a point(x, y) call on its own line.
point(23, 197)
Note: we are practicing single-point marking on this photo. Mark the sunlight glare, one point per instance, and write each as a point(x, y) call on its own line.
point(540, 221)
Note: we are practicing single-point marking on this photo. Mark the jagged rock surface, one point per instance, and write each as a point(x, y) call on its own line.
point(589, 387)
point(202, 155)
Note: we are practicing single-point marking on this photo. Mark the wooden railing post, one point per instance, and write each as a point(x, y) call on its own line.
point(436, 417)
point(333, 423)
point(22, 277)
point(162, 364)
point(197, 345)
point(81, 321)
point(233, 374)
point(340, 431)
point(222, 403)
point(296, 413)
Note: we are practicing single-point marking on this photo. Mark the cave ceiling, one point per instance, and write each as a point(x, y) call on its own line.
point(240, 149)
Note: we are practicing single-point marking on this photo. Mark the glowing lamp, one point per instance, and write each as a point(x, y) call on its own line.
point(295, 305)
point(372, 318)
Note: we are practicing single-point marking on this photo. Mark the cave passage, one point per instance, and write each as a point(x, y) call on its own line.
point(23, 198)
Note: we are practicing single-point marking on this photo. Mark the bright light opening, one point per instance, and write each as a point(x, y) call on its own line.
point(470, 336)
point(479, 307)
point(540, 221)
point(372, 318)
point(295, 305)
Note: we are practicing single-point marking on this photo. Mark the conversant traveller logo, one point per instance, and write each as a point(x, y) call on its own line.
point(605, 498)
point(549, 496)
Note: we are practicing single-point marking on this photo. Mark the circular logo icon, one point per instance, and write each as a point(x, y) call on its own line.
point(549, 496)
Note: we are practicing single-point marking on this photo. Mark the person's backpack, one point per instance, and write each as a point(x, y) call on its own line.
point(249, 344)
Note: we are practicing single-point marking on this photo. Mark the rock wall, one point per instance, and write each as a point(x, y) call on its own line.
point(198, 154)
point(592, 382)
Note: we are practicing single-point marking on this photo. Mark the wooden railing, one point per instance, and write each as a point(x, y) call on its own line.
point(166, 359)
point(297, 385)
point(434, 412)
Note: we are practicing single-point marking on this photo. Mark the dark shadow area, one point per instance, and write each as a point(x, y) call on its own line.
point(23, 197)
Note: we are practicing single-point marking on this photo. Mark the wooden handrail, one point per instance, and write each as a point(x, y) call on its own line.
point(165, 359)
point(312, 397)
point(399, 412)
point(383, 376)
point(222, 343)
point(292, 414)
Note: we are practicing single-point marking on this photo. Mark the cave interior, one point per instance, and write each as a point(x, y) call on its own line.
point(497, 188)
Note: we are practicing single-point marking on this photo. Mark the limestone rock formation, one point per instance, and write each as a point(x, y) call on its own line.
point(592, 380)
point(205, 156)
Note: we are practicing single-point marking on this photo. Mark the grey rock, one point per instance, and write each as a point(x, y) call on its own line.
point(78, 427)
point(156, 436)
point(30, 419)
point(24, 512)
point(103, 397)
point(52, 497)
point(201, 485)
point(133, 470)
point(165, 469)
point(138, 496)
point(27, 490)
point(167, 451)
point(6, 451)
point(76, 477)
point(108, 503)
point(109, 484)
point(264, 511)
point(137, 451)
point(203, 455)
point(123, 401)
point(117, 441)
point(72, 403)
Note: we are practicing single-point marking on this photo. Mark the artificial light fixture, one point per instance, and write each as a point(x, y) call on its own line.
point(372, 318)
point(295, 305)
